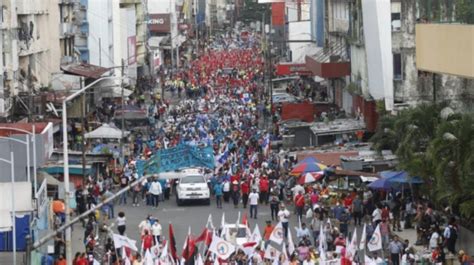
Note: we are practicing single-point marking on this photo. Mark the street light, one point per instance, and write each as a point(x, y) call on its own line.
point(69, 256)
point(12, 165)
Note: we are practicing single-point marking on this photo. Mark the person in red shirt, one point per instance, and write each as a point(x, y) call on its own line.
point(245, 189)
point(299, 203)
point(82, 260)
point(147, 241)
point(348, 201)
point(264, 186)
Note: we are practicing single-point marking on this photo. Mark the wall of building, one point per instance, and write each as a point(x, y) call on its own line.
point(101, 39)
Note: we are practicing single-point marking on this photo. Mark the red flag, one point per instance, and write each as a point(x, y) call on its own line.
point(202, 236)
point(245, 221)
point(172, 244)
point(189, 248)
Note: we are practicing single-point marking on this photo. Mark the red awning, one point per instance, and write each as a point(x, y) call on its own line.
point(328, 69)
point(289, 69)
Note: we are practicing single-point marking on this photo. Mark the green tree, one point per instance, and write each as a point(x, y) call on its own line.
point(453, 158)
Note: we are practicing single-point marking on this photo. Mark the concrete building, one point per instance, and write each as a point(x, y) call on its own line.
point(30, 50)
point(67, 31)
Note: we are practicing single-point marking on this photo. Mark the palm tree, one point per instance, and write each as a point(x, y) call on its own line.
point(453, 158)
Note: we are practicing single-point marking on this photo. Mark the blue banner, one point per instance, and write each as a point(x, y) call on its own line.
point(181, 156)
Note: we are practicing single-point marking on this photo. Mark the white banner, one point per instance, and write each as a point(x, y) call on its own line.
point(221, 248)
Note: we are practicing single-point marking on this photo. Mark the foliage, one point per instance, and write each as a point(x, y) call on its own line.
point(465, 11)
point(438, 149)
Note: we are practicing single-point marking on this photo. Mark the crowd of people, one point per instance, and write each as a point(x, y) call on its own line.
point(221, 104)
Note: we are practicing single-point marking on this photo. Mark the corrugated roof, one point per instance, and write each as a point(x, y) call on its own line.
point(85, 69)
point(330, 158)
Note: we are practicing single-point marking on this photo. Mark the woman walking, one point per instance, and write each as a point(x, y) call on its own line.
point(121, 223)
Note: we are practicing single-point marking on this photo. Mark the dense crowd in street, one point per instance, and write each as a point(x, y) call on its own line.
point(221, 104)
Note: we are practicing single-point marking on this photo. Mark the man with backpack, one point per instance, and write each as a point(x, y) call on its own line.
point(451, 235)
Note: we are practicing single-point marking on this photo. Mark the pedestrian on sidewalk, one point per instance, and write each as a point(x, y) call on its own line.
point(254, 198)
point(451, 235)
point(121, 223)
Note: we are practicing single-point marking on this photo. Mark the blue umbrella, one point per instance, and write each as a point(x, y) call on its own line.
point(381, 184)
point(402, 177)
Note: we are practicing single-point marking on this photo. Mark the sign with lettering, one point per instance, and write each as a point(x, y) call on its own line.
point(159, 23)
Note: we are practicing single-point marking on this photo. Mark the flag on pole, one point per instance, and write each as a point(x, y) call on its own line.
point(209, 223)
point(375, 242)
point(277, 234)
point(199, 260)
point(322, 244)
point(223, 220)
point(164, 251)
point(363, 238)
point(189, 247)
point(285, 260)
point(271, 253)
point(352, 246)
point(223, 249)
point(245, 220)
point(123, 241)
point(291, 245)
point(256, 235)
point(148, 259)
point(172, 244)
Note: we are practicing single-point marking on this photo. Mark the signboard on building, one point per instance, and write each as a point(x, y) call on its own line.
point(159, 23)
point(290, 69)
point(132, 51)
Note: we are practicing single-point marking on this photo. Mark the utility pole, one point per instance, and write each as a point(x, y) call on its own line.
point(83, 133)
point(123, 112)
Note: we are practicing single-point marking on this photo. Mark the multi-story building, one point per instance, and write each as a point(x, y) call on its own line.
point(30, 49)
point(369, 55)
point(67, 30)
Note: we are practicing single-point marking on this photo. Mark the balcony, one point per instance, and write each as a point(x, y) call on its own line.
point(66, 30)
point(329, 62)
point(27, 7)
point(445, 49)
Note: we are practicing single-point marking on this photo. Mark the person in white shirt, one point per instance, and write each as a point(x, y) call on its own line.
point(377, 215)
point(283, 216)
point(156, 231)
point(303, 232)
point(155, 190)
point(435, 239)
point(226, 190)
point(121, 223)
point(145, 225)
point(253, 202)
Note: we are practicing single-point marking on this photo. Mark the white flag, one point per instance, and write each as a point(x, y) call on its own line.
point(148, 259)
point(291, 245)
point(123, 241)
point(199, 260)
point(256, 235)
point(322, 244)
point(164, 251)
point(375, 242)
point(285, 260)
point(209, 223)
point(363, 238)
point(277, 234)
point(271, 253)
point(223, 220)
point(221, 248)
point(352, 246)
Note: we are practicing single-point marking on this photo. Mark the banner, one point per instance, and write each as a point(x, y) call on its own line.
point(375, 242)
point(123, 241)
point(221, 248)
point(181, 156)
point(277, 234)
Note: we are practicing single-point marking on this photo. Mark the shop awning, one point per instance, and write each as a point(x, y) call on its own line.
point(85, 70)
point(291, 69)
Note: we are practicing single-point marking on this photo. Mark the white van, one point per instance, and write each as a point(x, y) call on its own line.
point(193, 186)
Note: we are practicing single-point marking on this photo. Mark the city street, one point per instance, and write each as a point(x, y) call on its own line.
point(194, 215)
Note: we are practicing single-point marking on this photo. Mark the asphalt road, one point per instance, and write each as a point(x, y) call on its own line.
point(192, 215)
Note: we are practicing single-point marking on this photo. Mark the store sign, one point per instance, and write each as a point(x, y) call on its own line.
point(159, 23)
point(289, 69)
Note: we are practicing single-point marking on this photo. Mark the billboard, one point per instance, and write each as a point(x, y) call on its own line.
point(159, 23)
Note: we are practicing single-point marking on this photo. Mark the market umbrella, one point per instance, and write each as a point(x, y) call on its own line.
point(381, 184)
point(309, 159)
point(402, 177)
point(310, 177)
point(304, 168)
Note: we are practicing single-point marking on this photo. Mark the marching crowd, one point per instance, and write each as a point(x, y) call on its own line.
point(221, 105)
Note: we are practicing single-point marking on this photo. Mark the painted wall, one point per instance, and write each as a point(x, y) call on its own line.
point(445, 49)
point(101, 34)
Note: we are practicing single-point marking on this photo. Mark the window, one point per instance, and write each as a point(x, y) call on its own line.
point(397, 66)
point(396, 8)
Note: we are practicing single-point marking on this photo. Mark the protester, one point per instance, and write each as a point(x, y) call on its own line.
point(253, 197)
point(121, 223)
